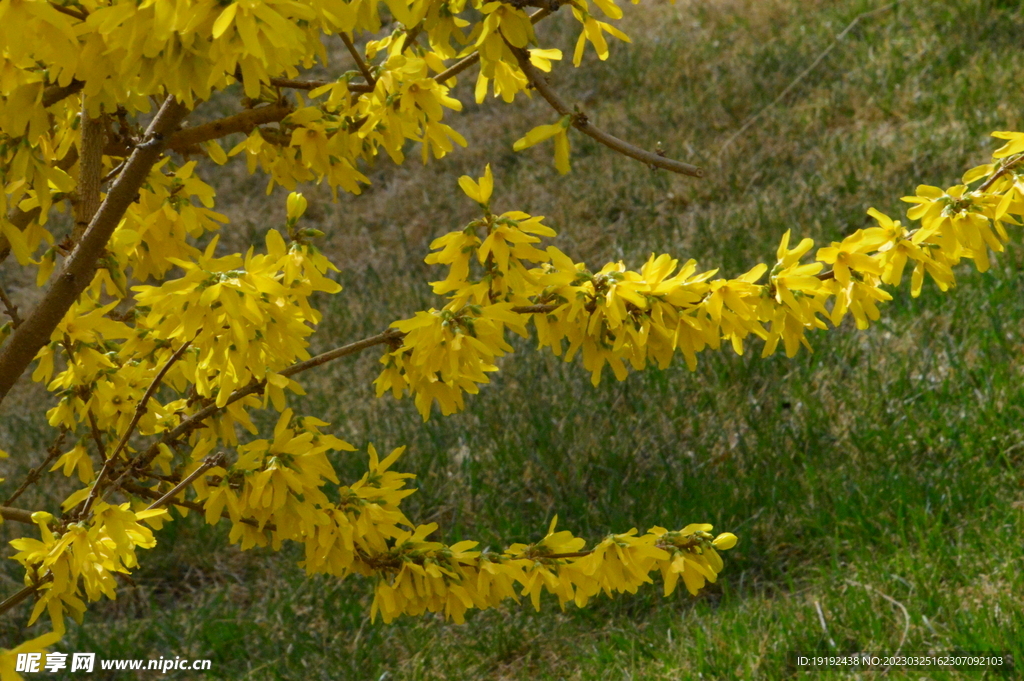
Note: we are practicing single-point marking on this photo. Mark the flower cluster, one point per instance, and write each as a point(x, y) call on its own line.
point(417, 575)
point(619, 318)
point(171, 349)
point(81, 561)
point(114, 56)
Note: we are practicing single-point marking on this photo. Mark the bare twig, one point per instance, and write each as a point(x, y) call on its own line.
point(97, 437)
point(18, 515)
point(52, 453)
point(138, 490)
point(343, 351)
point(79, 14)
point(360, 62)
point(409, 39)
point(208, 463)
point(16, 599)
point(803, 74)
point(314, 84)
point(457, 68)
point(580, 122)
point(17, 353)
point(1004, 168)
point(113, 173)
point(10, 308)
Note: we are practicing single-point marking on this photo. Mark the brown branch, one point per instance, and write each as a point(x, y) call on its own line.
point(55, 93)
point(1004, 168)
point(17, 353)
point(457, 68)
point(113, 173)
point(241, 122)
point(580, 122)
point(10, 308)
point(140, 409)
point(52, 453)
point(345, 350)
point(558, 556)
point(81, 15)
point(411, 35)
point(195, 420)
point(90, 171)
point(314, 84)
point(465, 63)
point(208, 463)
point(16, 599)
point(97, 437)
point(185, 140)
point(18, 515)
point(535, 309)
point(360, 62)
point(141, 491)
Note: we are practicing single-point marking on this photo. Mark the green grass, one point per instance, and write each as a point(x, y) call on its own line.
point(886, 467)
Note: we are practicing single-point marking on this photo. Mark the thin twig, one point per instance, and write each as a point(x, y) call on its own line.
point(343, 351)
point(208, 463)
point(457, 68)
point(113, 172)
point(18, 515)
point(138, 490)
point(314, 84)
point(140, 409)
point(97, 437)
point(466, 62)
point(52, 453)
point(79, 14)
point(195, 421)
point(580, 122)
point(1004, 168)
point(55, 93)
point(409, 39)
point(16, 599)
point(186, 139)
point(10, 308)
point(360, 62)
point(796, 81)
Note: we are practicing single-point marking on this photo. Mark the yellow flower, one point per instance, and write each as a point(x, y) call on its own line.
point(478, 191)
point(543, 132)
point(296, 206)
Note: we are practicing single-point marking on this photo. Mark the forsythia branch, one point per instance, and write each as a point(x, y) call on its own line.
point(360, 62)
point(90, 171)
point(580, 122)
point(18, 515)
point(27, 339)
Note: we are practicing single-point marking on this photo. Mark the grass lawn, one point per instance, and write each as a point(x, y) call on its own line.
point(876, 485)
